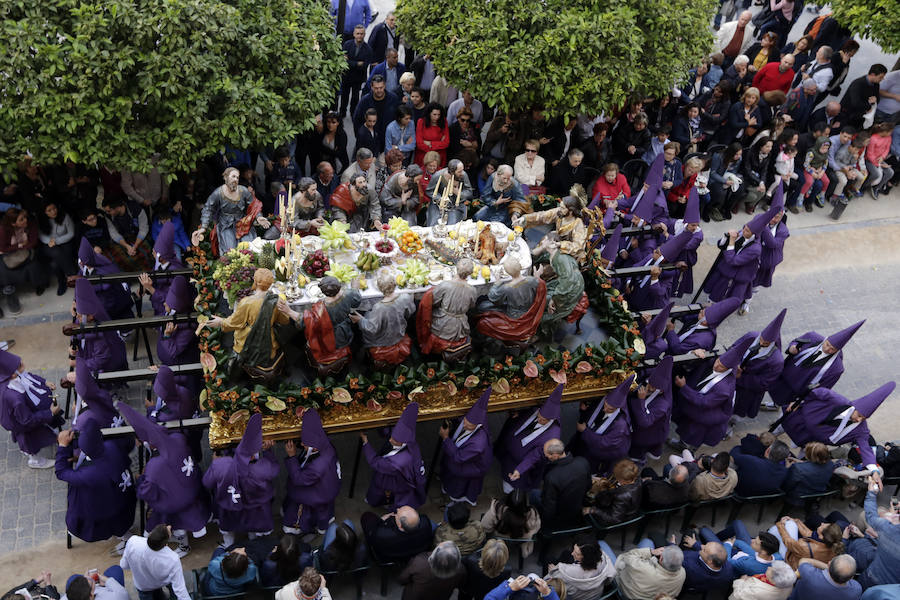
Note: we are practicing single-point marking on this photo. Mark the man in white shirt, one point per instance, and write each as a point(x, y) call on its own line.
point(154, 565)
point(889, 98)
point(820, 70)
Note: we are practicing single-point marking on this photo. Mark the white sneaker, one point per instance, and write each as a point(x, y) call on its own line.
point(687, 455)
point(768, 404)
point(182, 551)
point(39, 462)
point(654, 456)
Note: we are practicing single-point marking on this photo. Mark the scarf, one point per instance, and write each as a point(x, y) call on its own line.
point(818, 159)
point(26, 384)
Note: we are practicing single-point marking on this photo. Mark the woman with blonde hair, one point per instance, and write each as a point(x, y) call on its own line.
point(485, 569)
point(744, 117)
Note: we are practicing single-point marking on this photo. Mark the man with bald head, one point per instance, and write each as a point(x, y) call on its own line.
point(706, 566)
point(832, 581)
point(566, 481)
point(734, 37)
point(397, 535)
point(775, 76)
point(673, 490)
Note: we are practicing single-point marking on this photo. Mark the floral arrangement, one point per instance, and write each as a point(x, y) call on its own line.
point(619, 353)
point(233, 275)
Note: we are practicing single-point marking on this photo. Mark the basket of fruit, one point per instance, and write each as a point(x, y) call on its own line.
point(410, 242)
point(316, 264)
point(386, 249)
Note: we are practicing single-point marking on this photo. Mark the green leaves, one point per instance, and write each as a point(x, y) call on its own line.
point(117, 81)
point(877, 20)
point(581, 56)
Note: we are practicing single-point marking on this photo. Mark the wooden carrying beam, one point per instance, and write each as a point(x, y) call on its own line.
point(138, 374)
point(683, 359)
point(179, 424)
point(638, 271)
point(128, 324)
point(134, 275)
point(632, 231)
point(677, 311)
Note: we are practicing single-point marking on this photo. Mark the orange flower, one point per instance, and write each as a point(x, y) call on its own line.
point(429, 373)
point(354, 383)
point(566, 355)
point(305, 392)
point(498, 367)
point(400, 379)
point(319, 389)
point(565, 365)
point(452, 376)
point(371, 388)
point(358, 396)
point(605, 286)
point(509, 360)
point(608, 358)
point(588, 351)
point(629, 352)
point(540, 359)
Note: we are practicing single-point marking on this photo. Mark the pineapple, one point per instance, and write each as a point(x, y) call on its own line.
point(267, 258)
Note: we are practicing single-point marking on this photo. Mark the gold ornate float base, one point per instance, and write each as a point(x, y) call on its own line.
point(434, 404)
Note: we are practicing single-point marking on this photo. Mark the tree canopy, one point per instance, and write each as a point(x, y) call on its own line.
point(877, 20)
point(119, 81)
point(569, 56)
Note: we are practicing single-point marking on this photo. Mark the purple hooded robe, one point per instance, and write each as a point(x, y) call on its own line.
point(520, 445)
point(398, 474)
point(650, 416)
point(25, 406)
point(103, 350)
point(467, 455)
point(760, 367)
point(606, 436)
point(164, 251)
point(314, 479)
point(115, 296)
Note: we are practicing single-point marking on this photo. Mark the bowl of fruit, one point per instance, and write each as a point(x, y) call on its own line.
point(315, 264)
point(385, 249)
point(410, 242)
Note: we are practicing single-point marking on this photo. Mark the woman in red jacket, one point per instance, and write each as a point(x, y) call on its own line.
point(610, 186)
point(18, 259)
point(432, 133)
point(678, 195)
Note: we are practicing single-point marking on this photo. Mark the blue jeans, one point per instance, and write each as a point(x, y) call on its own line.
point(644, 543)
point(116, 573)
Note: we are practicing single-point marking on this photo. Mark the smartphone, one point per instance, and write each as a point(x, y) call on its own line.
point(93, 574)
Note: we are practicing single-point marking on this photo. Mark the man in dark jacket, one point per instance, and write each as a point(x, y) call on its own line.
point(566, 481)
point(384, 36)
point(759, 476)
point(359, 55)
point(567, 173)
point(397, 535)
point(665, 493)
point(384, 102)
point(862, 95)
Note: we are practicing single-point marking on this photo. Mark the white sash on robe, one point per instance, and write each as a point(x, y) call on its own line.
point(650, 399)
point(461, 435)
point(844, 428)
point(607, 421)
point(712, 379)
point(650, 263)
point(395, 451)
point(534, 434)
point(695, 327)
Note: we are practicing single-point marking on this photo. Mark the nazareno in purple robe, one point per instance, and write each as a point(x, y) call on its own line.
point(806, 423)
point(314, 479)
point(702, 418)
point(30, 423)
point(682, 282)
point(99, 404)
point(180, 348)
point(467, 456)
point(650, 417)
point(242, 486)
point(164, 251)
point(734, 274)
point(101, 495)
point(757, 376)
point(772, 253)
point(103, 350)
point(171, 482)
point(398, 474)
point(115, 296)
point(520, 445)
point(794, 380)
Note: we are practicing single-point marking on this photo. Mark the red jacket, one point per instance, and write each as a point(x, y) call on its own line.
point(770, 78)
point(6, 237)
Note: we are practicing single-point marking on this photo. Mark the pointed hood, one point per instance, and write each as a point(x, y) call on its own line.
point(313, 434)
point(654, 178)
point(9, 364)
point(657, 325)
point(87, 256)
point(869, 403)
point(550, 409)
point(772, 332)
point(85, 384)
point(165, 243)
point(477, 415)
point(692, 208)
point(675, 245)
point(166, 388)
point(144, 429)
point(87, 302)
point(644, 208)
point(405, 429)
point(734, 355)
point(611, 248)
point(777, 199)
point(839, 339)
point(661, 375)
point(180, 295)
point(757, 223)
point(90, 439)
point(251, 441)
point(719, 311)
point(619, 395)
